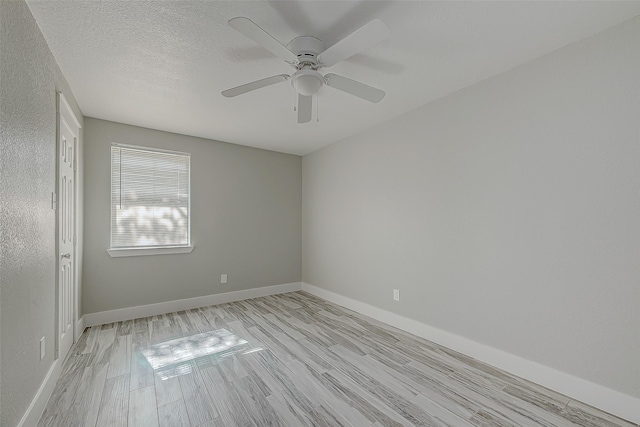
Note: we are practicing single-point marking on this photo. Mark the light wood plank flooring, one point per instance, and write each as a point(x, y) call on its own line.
point(290, 360)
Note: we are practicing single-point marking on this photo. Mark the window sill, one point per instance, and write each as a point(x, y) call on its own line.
point(117, 253)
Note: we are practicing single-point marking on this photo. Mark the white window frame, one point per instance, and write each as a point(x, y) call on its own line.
point(150, 250)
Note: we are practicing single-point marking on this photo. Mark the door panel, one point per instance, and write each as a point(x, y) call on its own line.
point(67, 142)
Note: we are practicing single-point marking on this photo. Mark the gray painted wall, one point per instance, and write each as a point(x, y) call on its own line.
point(245, 222)
point(507, 213)
point(28, 83)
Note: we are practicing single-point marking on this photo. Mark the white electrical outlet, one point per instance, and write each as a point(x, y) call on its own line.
point(396, 295)
point(42, 348)
point(223, 278)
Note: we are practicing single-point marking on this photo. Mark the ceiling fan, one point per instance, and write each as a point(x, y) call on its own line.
point(307, 55)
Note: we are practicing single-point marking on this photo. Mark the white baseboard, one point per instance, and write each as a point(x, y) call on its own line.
point(606, 399)
point(102, 317)
point(79, 328)
point(39, 402)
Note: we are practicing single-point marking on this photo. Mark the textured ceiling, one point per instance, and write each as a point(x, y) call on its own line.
point(163, 64)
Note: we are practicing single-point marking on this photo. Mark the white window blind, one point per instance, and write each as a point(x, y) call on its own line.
point(149, 198)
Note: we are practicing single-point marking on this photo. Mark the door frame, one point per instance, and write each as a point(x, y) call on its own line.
point(64, 110)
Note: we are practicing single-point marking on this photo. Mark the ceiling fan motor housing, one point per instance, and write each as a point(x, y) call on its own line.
point(307, 49)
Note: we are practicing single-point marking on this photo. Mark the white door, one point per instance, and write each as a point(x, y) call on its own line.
point(68, 131)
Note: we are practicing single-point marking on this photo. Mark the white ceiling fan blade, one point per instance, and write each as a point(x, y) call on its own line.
point(250, 29)
point(305, 104)
point(355, 88)
point(366, 36)
point(239, 90)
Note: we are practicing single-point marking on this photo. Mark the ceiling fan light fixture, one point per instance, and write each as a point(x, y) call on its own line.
point(307, 82)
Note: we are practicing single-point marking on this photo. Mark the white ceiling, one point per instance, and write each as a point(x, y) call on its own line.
point(163, 64)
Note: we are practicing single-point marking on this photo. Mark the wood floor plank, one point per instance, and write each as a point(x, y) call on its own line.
point(364, 372)
point(226, 399)
point(240, 329)
point(441, 415)
point(589, 416)
point(66, 387)
point(167, 390)
point(185, 323)
point(300, 352)
point(143, 411)
point(199, 320)
point(215, 318)
point(365, 402)
point(83, 345)
point(124, 328)
point(232, 369)
point(255, 366)
point(141, 325)
point(303, 378)
point(290, 360)
point(98, 378)
point(199, 405)
point(102, 346)
point(142, 374)
point(114, 407)
point(292, 393)
point(483, 418)
point(505, 408)
point(120, 358)
point(284, 300)
point(80, 411)
point(255, 402)
point(287, 412)
point(441, 390)
point(55, 420)
point(279, 349)
point(173, 414)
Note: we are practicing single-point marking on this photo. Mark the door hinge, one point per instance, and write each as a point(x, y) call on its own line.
point(54, 201)
point(74, 240)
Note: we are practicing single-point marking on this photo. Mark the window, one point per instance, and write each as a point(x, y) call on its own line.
point(149, 201)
